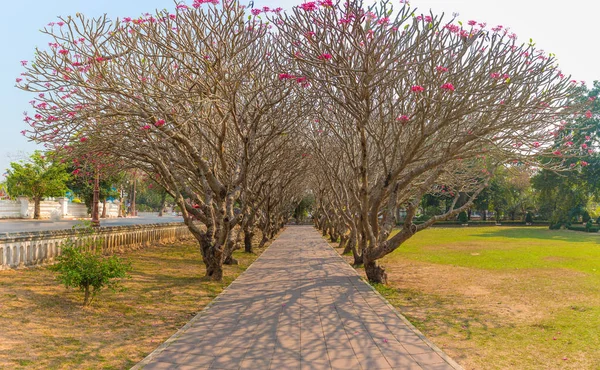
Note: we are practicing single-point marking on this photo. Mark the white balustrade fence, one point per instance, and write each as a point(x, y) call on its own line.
point(41, 247)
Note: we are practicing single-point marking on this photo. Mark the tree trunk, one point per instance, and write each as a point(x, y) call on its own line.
point(343, 241)
point(248, 240)
point(230, 247)
point(212, 256)
point(263, 241)
point(86, 297)
point(375, 273)
point(358, 259)
point(163, 200)
point(484, 215)
point(36, 207)
point(351, 243)
point(103, 209)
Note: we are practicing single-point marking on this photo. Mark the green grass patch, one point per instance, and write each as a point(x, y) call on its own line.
point(502, 298)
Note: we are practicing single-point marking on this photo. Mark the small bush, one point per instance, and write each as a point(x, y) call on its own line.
point(585, 216)
point(87, 269)
point(529, 218)
point(556, 226)
point(592, 229)
point(463, 218)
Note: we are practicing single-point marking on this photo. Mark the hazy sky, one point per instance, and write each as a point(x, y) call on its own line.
point(566, 28)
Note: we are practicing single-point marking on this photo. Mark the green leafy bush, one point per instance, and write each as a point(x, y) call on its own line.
point(591, 229)
point(463, 218)
point(87, 269)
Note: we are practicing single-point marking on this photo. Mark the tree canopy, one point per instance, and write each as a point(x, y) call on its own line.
point(39, 177)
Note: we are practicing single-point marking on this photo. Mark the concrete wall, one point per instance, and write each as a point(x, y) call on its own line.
point(59, 208)
point(25, 249)
point(10, 209)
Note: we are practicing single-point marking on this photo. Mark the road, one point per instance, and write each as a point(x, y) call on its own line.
point(12, 226)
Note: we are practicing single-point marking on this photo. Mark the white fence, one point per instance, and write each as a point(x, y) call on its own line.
point(59, 208)
point(41, 247)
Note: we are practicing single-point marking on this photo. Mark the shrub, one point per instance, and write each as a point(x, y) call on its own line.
point(589, 225)
point(555, 226)
point(463, 218)
point(87, 269)
point(585, 217)
point(593, 229)
point(529, 218)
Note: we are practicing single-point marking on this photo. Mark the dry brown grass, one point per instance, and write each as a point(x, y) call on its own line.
point(43, 325)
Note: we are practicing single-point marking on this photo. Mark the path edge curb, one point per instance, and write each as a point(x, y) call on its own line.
point(164, 345)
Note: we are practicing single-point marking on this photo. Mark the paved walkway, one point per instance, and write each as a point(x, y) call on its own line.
point(299, 306)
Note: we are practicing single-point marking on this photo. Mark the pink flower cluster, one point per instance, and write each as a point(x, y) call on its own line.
point(325, 56)
point(448, 86)
point(197, 3)
point(309, 6)
point(303, 81)
point(417, 88)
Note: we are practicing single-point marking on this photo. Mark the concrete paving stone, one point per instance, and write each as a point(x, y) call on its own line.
point(198, 360)
point(345, 363)
point(428, 358)
point(299, 306)
point(374, 362)
point(160, 366)
point(316, 365)
point(255, 363)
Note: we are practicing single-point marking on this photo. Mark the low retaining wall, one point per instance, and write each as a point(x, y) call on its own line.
point(36, 248)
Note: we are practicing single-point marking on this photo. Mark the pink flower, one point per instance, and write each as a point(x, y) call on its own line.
point(428, 19)
point(160, 122)
point(325, 56)
point(384, 20)
point(23, 62)
point(584, 146)
point(495, 75)
point(588, 114)
point(309, 34)
point(197, 3)
point(441, 69)
point(448, 86)
point(63, 51)
point(536, 145)
point(557, 152)
point(285, 76)
point(583, 163)
point(146, 127)
point(587, 137)
point(309, 7)
point(83, 139)
point(472, 23)
point(255, 11)
point(417, 88)
point(403, 118)
point(19, 80)
point(326, 3)
point(76, 171)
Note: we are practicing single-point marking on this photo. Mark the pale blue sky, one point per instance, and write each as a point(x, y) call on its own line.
point(564, 28)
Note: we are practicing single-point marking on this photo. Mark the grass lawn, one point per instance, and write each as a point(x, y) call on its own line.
point(43, 326)
point(502, 297)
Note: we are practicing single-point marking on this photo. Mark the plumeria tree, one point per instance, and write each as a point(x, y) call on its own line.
point(417, 104)
point(188, 97)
